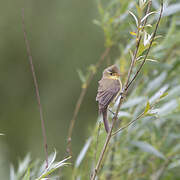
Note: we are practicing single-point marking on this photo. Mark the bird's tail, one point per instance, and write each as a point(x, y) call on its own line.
point(106, 123)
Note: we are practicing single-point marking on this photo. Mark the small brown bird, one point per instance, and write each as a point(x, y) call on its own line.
point(109, 87)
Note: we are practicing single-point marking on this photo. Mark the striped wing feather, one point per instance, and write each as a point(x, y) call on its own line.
point(107, 91)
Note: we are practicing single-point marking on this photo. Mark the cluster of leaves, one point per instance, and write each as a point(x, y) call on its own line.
point(35, 170)
point(150, 147)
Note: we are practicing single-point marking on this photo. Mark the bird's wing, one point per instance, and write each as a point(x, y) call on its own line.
point(107, 90)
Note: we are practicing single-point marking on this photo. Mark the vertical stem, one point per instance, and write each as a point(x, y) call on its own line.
point(36, 89)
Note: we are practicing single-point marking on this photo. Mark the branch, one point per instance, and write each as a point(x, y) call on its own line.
point(36, 89)
point(122, 98)
point(127, 125)
point(80, 100)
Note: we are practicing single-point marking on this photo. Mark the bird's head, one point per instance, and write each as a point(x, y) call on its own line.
point(112, 72)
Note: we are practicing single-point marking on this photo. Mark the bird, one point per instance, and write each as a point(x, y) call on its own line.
point(109, 87)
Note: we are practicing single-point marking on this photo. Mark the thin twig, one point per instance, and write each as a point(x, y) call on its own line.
point(127, 125)
point(36, 89)
point(80, 99)
point(119, 105)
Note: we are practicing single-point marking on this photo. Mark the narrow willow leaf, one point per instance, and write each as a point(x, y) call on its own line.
point(133, 33)
point(164, 95)
point(147, 108)
point(139, 11)
point(171, 9)
point(159, 93)
point(156, 83)
point(81, 76)
point(133, 102)
point(147, 15)
point(96, 22)
point(152, 60)
point(12, 173)
point(52, 160)
point(131, 54)
point(53, 168)
point(27, 175)
point(176, 148)
point(83, 153)
point(142, 3)
point(144, 146)
point(24, 164)
point(135, 18)
point(168, 107)
point(148, 25)
point(174, 164)
point(147, 38)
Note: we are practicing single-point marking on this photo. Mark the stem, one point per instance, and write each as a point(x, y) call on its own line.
point(36, 89)
point(80, 100)
point(127, 125)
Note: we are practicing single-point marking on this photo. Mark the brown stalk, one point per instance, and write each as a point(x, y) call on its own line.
point(122, 97)
point(80, 99)
point(36, 89)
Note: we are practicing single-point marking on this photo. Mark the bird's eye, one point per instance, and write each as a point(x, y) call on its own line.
point(111, 73)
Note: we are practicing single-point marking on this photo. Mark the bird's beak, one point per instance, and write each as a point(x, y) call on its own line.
point(117, 74)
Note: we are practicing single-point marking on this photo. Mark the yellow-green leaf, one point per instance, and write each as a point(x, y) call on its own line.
point(147, 108)
point(133, 33)
point(163, 95)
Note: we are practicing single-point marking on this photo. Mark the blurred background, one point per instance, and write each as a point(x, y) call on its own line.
point(63, 39)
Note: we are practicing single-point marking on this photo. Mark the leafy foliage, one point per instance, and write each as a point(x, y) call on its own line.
point(35, 170)
point(148, 148)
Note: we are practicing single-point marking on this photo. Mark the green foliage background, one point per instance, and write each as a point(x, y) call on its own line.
point(63, 39)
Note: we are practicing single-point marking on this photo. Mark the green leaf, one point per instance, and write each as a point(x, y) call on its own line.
point(53, 168)
point(147, 108)
point(147, 15)
point(27, 175)
point(135, 18)
point(174, 164)
point(144, 146)
point(139, 10)
point(81, 76)
point(132, 102)
point(156, 83)
point(83, 152)
point(163, 95)
point(96, 22)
